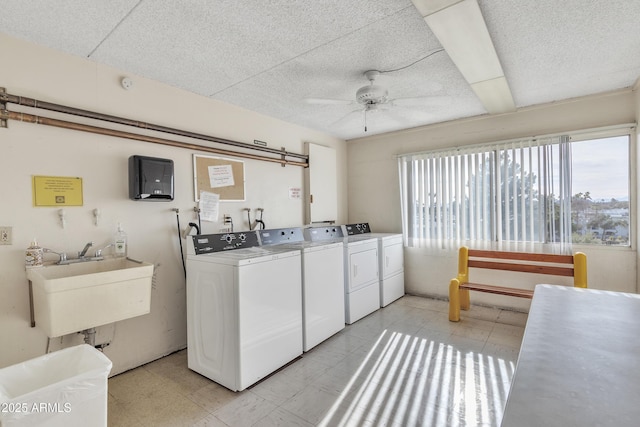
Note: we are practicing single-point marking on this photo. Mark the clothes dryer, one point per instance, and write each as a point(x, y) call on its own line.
point(244, 310)
point(323, 312)
point(390, 257)
point(360, 253)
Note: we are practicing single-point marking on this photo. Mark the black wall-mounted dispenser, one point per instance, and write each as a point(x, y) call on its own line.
point(150, 178)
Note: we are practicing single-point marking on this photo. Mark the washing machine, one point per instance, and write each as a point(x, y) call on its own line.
point(390, 257)
point(323, 313)
point(244, 310)
point(361, 286)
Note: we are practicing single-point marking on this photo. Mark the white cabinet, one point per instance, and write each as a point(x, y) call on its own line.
point(321, 185)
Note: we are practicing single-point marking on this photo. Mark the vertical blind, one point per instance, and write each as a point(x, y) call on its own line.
point(518, 191)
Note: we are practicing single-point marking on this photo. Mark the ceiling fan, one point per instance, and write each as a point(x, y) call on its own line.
point(372, 97)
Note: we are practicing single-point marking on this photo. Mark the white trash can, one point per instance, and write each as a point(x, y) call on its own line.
point(65, 388)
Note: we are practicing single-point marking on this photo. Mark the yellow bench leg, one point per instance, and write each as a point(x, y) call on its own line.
point(580, 270)
point(465, 303)
point(454, 300)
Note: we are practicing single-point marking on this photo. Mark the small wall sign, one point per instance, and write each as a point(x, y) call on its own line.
point(295, 193)
point(57, 191)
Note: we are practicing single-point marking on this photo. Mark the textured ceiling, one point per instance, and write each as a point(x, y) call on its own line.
point(272, 56)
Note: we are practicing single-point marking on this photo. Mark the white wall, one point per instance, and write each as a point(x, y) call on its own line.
point(101, 161)
point(636, 158)
point(374, 192)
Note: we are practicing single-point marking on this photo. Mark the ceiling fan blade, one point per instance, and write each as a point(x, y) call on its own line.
point(423, 101)
point(415, 112)
point(390, 116)
point(344, 118)
point(327, 101)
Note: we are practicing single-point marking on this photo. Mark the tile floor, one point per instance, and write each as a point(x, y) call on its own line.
point(404, 365)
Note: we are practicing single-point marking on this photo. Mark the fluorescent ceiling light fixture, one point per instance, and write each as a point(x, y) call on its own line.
point(495, 95)
point(462, 32)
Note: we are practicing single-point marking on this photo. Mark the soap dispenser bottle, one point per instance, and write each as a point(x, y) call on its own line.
point(120, 242)
point(33, 256)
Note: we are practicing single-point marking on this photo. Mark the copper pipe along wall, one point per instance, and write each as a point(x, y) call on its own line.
point(34, 103)
point(31, 118)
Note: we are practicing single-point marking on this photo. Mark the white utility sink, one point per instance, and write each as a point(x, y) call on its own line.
point(74, 297)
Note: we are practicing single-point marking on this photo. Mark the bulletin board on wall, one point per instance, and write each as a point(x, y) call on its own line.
point(220, 176)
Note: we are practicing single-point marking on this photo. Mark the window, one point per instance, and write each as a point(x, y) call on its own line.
point(534, 191)
point(600, 202)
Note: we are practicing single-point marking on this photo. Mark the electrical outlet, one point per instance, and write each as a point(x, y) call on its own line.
point(6, 237)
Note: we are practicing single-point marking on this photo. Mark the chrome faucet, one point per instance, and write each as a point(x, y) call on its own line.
point(84, 251)
point(99, 251)
point(62, 255)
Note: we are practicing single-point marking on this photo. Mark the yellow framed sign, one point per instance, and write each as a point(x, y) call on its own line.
point(57, 191)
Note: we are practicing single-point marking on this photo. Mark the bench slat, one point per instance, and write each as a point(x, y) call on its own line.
point(525, 268)
point(500, 290)
point(522, 256)
point(558, 265)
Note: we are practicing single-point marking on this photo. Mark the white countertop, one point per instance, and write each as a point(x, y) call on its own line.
point(579, 364)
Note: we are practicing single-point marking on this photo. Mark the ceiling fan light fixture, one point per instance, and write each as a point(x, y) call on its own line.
point(372, 94)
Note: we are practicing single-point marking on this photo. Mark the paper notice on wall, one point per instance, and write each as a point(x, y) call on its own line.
point(295, 193)
point(220, 176)
point(57, 191)
point(209, 206)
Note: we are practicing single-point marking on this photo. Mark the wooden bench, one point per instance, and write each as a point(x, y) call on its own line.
point(558, 265)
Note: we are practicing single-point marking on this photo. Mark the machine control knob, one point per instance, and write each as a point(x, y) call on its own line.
point(242, 237)
point(228, 238)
